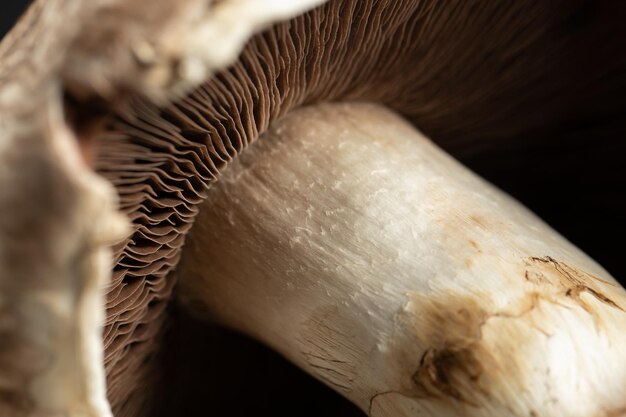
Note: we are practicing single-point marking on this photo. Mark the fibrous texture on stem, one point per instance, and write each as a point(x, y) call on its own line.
point(351, 244)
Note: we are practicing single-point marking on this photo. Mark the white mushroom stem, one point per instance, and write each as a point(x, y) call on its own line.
point(376, 262)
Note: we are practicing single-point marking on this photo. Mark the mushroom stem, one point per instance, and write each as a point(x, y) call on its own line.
point(376, 262)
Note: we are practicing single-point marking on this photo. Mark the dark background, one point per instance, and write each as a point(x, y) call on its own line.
point(247, 379)
point(10, 10)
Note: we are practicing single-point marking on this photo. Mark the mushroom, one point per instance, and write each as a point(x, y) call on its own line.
point(496, 79)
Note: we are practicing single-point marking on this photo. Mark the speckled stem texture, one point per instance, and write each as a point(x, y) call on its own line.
point(366, 255)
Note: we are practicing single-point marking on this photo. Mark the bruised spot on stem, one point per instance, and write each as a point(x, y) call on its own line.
point(455, 361)
point(480, 221)
point(570, 282)
point(441, 372)
point(473, 353)
point(621, 412)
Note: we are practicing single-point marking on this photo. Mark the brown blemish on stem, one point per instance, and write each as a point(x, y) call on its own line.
point(454, 363)
point(459, 368)
point(469, 261)
point(439, 370)
point(475, 245)
point(472, 350)
point(616, 413)
point(479, 221)
point(570, 282)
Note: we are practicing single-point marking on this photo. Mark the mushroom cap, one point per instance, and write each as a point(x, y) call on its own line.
point(520, 91)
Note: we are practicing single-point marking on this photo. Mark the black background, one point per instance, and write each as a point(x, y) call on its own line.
point(9, 12)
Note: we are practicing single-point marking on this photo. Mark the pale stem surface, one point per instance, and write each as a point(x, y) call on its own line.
point(370, 258)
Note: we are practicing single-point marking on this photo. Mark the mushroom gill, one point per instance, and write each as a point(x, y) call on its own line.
point(520, 91)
